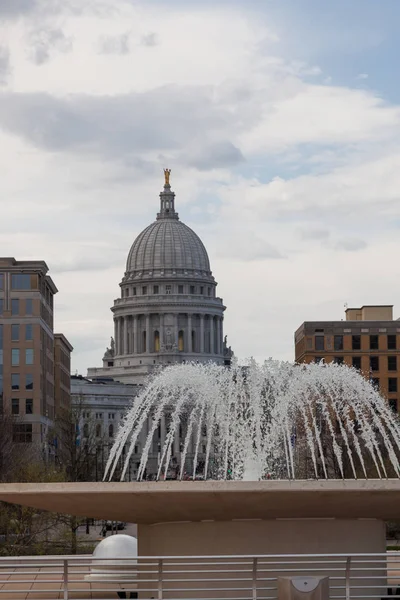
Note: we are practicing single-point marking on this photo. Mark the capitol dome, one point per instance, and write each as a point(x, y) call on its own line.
point(167, 246)
point(169, 311)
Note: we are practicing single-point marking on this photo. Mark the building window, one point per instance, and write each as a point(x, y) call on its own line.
point(144, 290)
point(15, 406)
point(29, 356)
point(168, 289)
point(14, 332)
point(15, 357)
point(180, 289)
point(22, 433)
point(391, 342)
point(155, 289)
point(319, 342)
point(201, 290)
point(374, 363)
point(98, 430)
point(357, 362)
point(28, 306)
point(338, 360)
point(99, 415)
point(134, 291)
point(29, 332)
point(20, 281)
point(15, 381)
point(338, 343)
point(209, 291)
point(1, 306)
point(375, 382)
point(28, 406)
point(111, 430)
point(392, 363)
point(192, 289)
point(393, 405)
point(392, 385)
point(15, 306)
point(1, 281)
point(356, 342)
point(374, 342)
point(111, 415)
point(29, 381)
point(86, 430)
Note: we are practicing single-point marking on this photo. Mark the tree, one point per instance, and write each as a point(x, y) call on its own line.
point(80, 444)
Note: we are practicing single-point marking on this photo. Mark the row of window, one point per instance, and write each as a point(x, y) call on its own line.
point(16, 306)
point(356, 342)
point(392, 384)
point(15, 357)
point(20, 281)
point(99, 415)
point(168, 290)
point(98, 430)
point(17, 402)
point(16, 332)
point(16, 381)
point(374, 362)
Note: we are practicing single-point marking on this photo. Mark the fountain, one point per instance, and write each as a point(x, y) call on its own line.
point(293, 459)
point(276, 420)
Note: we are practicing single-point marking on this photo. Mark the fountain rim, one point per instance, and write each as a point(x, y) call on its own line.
point(158, 502)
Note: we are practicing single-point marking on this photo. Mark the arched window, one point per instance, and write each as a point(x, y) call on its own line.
point(86, 430)
point(193, 341)
point(111, 430)
point(156, 341)
point(181, 341)
point(98, 430)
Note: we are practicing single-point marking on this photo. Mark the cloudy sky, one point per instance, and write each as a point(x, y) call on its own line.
point(280, 120)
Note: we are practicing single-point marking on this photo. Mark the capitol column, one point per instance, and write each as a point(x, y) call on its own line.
point(218, 350)
point(135, 334)
point(116, 335)
point(189, 333)
point(202, 334)
point(147, 334)
point(120, 338)
point(211, 320)
point(126, 335)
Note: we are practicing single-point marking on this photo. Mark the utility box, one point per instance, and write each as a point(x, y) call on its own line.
point(303, 588)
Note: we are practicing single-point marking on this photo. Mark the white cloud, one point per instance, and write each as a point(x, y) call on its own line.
point(293, 185)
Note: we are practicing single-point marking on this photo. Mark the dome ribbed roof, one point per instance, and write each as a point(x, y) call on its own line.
point(167, 244)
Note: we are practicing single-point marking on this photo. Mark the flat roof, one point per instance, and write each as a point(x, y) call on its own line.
point(169, 501)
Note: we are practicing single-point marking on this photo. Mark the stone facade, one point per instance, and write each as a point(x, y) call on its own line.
point(168, 311)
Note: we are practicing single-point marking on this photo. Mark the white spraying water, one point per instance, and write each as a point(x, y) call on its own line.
point(274, 420)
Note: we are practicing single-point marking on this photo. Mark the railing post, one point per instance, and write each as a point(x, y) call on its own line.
point(254, 578)
point(65, 579)
point(348, 569)
point(160, 574)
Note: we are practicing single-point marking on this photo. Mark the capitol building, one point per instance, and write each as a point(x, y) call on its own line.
point(168, 310)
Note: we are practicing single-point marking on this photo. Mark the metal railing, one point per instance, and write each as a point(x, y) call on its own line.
point(358, 576)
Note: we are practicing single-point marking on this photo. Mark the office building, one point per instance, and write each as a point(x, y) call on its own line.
point(28, 389)
point(368, 340)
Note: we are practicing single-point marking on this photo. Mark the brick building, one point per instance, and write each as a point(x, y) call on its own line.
point(368, 340)
point(31, 383)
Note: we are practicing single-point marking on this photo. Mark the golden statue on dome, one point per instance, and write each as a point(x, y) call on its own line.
point(167, 173)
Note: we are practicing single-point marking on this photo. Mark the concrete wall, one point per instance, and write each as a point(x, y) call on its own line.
point(280, 536)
